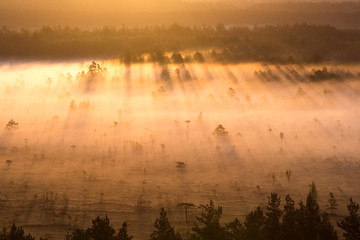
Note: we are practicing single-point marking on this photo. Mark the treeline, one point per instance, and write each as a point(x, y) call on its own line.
point(304, 221)
point(299, 43)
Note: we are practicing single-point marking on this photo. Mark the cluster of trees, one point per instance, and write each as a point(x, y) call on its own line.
point(291, 222)
point(323, 74)
point(302, 222)
point(161, 57)
point(220, 131)
point(315, 75)
point(275, 44)
point(15, 233)
point(101, 229)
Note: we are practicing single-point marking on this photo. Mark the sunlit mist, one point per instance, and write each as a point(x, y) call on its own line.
point(104, 136)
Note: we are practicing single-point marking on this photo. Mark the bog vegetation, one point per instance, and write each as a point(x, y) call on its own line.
point(125, 121)
point(82, 139)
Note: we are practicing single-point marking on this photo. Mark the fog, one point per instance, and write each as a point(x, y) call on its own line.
point(126, 140)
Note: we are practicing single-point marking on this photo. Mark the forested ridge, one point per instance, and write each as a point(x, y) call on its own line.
point(298, 43)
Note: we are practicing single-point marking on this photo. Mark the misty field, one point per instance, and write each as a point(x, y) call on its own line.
point(81, 139)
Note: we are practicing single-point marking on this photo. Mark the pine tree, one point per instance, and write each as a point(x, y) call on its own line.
point(101, 229)
point(332, 203)
point(123, 234)
point(211, 228)
point(312, 213)
point(235, 230)
point(163, 229)
point(351, 224)
point(273, 215)
point(254, 225)
point(289, 220)
point(15, 233)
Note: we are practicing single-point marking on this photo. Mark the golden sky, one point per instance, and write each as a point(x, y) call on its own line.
point(86, 5)
point(96, 13)
point(125, 5)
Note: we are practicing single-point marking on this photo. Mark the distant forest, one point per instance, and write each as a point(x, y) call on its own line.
point(298, 43)
point(302, 221)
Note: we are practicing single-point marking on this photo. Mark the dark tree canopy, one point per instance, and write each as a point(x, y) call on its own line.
point(298, 43)
point(351, 224)
point(101, 229)
point(15, 233)
point(304, 221)
point(208, 225)
point(163, 229)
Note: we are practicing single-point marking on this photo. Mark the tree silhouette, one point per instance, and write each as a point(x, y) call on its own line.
point(273, 215)
point(310, 214)
point(11, 125)
point(127, 57)
point(78, 234)
point(289, 220)
point(209, 220)
point(312, 224)
point(282, 135)
point(158, 56)
point(177, 58)
point(351, 224)
point(332, 203)
point(288, 174)
point(254, 224)
point(231, 92)
point(15, 233)
point(300, 92)
point(235, 230)
point(95, 70)
point(165, 74)
point(198, 57)
point(326, 229)
point(163, 229)
point(94, 74)
point(186, 206)
point(9, 162)
point(101, 229)
point(220, 131)
point(123, 234)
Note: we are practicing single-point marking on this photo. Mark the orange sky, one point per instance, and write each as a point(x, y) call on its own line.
point(95, 13)
point(134, 5)
point(86, 5)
